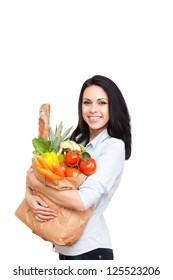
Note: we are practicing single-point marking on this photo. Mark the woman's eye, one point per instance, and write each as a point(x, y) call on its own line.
point(102, 103)
point(86, 102)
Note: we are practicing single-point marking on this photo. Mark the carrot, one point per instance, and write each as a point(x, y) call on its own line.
point(57, 169)
point(48, 173)
point(41, 163)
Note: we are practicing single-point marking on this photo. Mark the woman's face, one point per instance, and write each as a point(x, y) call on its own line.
point(95, 109)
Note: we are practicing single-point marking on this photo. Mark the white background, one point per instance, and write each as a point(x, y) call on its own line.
point(47, 50)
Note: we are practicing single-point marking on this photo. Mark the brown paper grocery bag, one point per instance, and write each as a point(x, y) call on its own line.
point(67, 227)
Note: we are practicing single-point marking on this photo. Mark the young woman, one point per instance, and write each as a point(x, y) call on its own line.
point(104, 128)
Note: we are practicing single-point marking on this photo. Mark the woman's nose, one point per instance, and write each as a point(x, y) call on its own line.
point(93, 108)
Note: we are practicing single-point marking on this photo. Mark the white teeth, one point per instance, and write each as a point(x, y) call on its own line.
point(94, 118)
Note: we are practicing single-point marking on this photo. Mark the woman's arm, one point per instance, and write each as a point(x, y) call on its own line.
point(69, 199)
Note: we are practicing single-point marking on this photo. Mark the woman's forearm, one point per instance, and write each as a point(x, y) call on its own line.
point(68, 199)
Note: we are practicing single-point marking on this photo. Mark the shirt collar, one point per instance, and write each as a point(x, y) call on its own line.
point(99, 138)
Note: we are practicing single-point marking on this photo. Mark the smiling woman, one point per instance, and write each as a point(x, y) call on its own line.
point(95, 109)
point(105, 131)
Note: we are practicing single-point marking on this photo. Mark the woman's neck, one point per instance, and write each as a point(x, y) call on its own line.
point(94, 133)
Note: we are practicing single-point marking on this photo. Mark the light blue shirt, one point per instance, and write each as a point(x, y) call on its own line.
point(98, 189)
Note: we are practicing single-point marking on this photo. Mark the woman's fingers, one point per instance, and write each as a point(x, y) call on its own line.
point(44, 211)
point(43, 214)
point(43, 218)
point(40, 208)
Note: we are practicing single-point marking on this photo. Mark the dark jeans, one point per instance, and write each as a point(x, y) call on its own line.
point(97, 254)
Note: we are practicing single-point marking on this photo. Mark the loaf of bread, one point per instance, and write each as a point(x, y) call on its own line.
point(44, 121)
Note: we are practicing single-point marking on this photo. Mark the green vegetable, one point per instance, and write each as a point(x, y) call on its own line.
point(42, 146)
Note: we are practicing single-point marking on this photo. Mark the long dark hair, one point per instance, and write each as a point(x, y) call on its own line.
point(119, 121)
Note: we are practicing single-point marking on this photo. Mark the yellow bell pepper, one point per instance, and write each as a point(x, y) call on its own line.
point(49, 157)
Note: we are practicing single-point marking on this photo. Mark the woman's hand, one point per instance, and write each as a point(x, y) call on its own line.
point(68, 199)
point(40, 208)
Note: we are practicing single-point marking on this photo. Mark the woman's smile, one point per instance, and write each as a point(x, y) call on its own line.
point(94, 118)
point(95, 109)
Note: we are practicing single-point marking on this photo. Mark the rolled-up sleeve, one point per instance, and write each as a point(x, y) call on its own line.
point(110, 158)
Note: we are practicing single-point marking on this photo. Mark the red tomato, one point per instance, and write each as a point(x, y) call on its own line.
point(87, 166)
point(72, 172)
point(72, 157)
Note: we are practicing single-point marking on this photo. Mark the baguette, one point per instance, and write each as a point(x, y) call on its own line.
point(44, 121)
